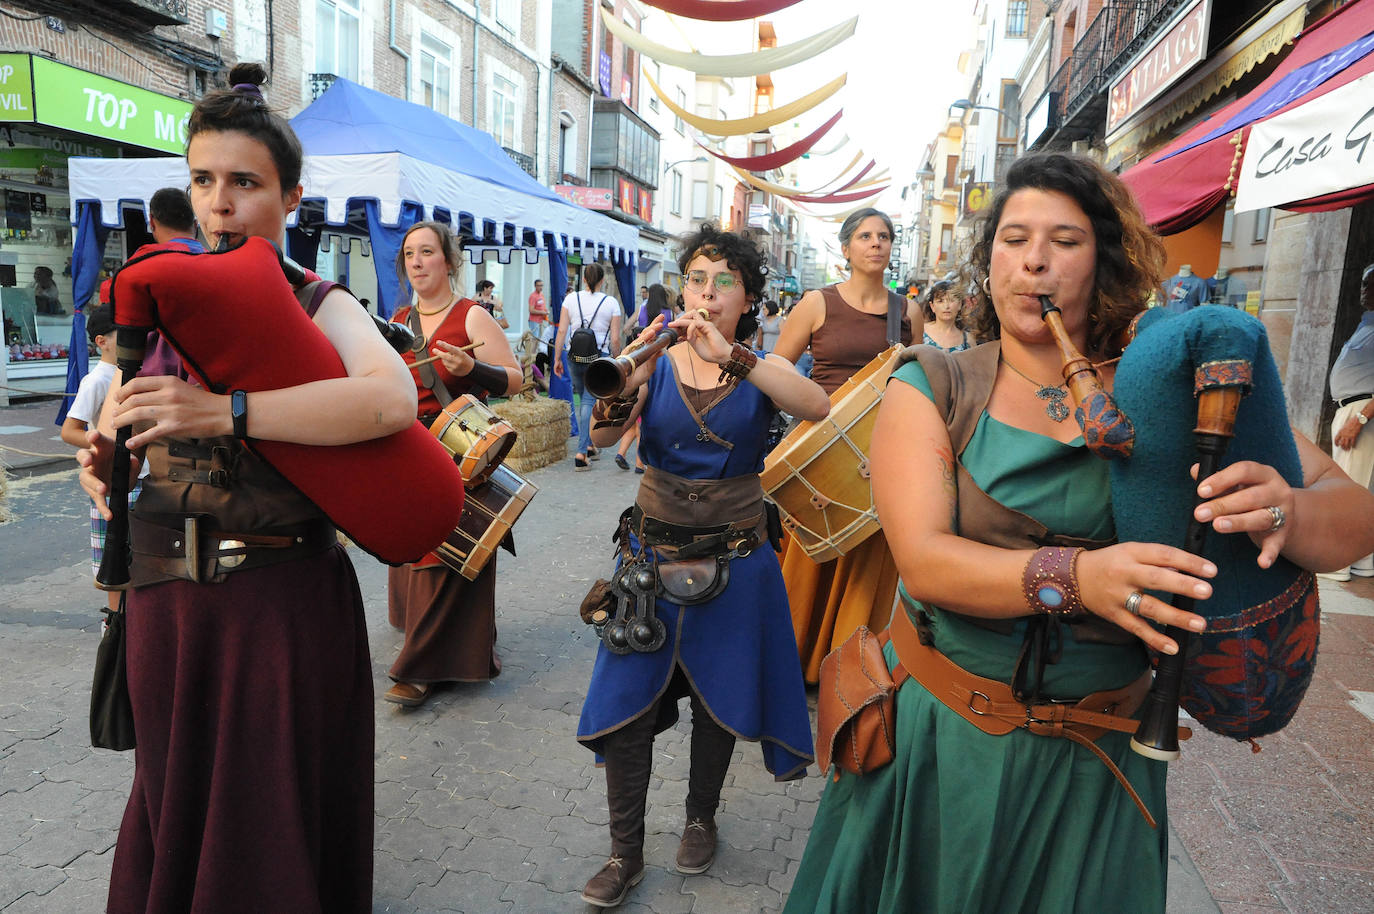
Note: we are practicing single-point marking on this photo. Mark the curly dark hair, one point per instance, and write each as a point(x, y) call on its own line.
point(740, 254)
point(241, 108)
point(1130, 256)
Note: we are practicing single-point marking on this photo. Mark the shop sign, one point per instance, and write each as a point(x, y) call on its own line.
point(603, 74)
point(16, 88)
point(1180, 48)
point(646, 205)
point(977, 196)
point(627, 196)
point(86, 103)
point(1321, 147)
point(589, 197)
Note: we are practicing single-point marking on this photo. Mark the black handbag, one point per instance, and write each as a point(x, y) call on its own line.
point(112, 713)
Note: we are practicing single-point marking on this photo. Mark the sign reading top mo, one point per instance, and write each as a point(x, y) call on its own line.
point(45, 92)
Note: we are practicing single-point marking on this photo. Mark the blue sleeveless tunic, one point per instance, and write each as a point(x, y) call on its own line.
point(737, 650)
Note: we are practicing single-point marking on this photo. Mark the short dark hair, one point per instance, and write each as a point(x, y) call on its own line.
point(1130, 256)
point(241, 108)
point(485, 284)
point(99, 321)
point(740, 254)
point(171, 207)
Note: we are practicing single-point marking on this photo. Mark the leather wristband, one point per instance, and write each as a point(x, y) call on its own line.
point(613, 412)
point(488, 377)
point(1050, 582)
point(742, 361)
point(238, 411)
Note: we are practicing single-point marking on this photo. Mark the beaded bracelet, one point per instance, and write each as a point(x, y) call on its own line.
point(1050, 581)
point(742, 361)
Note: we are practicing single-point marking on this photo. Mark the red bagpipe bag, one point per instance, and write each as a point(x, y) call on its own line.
point(1245, 675)
point(234, 319)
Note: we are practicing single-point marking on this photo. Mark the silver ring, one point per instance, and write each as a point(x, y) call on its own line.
point(1133, 602)
point(1279, 517)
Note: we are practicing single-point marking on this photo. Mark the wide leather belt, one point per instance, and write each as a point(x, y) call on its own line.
point(690, 541)
point(1355, 399)
point(990, 706)
point(188, 547)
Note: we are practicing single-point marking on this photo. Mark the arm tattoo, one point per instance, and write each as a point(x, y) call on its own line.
point(949, 482)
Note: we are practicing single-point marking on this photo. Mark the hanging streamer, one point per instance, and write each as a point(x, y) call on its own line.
point(759, 122)
point(721, 10)
point(754, 63)
point(781, 157)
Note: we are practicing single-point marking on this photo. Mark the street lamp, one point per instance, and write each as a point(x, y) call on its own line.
point(671, 165)
point(964, 105)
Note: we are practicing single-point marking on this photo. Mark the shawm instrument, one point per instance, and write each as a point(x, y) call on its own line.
point(1202, 388)
point(235, 320)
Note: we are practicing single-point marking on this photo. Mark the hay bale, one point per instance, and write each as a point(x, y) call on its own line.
point(542, 427)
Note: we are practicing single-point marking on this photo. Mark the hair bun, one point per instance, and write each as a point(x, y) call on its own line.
point(248, 73)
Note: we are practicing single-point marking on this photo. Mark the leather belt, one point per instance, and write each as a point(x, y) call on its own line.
point(692, 542)
point(990, 706)
point(187, 547)
point(1355, 399)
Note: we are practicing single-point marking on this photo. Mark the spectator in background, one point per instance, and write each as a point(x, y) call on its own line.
point(769, 327)
point(539, 309)
point(486, 297)
point(171, 219)
point(45, 297)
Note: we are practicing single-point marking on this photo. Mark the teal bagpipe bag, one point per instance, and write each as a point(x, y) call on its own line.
point(1246, 674)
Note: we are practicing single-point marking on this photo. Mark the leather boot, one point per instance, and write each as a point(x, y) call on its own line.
point(613, 882)
point(698, 848)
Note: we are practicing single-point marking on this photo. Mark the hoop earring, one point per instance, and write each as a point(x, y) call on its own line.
point(986, 280)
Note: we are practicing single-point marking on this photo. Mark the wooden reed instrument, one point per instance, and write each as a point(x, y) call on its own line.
point(606, 376)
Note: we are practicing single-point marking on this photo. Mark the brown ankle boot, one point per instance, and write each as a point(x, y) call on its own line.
point(698, 848)
point(613, 882)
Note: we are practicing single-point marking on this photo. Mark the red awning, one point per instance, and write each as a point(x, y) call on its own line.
point(1180, 184)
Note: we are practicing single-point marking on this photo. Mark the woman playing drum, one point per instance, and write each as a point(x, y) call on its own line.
point(845, 326)
point(1014, 820)
point(705, 410)
point(252, 691)
point(449, 622)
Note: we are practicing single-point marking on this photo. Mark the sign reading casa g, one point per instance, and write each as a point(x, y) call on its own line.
point(38, 90)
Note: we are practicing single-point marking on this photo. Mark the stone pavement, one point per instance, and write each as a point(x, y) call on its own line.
point(486, 803)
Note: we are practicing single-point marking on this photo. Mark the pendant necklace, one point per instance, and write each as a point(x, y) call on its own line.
point(1054, 397)
point(703, 433)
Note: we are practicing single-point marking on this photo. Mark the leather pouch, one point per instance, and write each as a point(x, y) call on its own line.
point(856, 706)
point(693, 580)
point(598, 606)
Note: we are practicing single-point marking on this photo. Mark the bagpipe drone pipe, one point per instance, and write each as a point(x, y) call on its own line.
point(1179, 385)
point(235, 320)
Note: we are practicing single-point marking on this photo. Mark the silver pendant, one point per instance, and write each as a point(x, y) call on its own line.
point(703, 435)
point(1055, 407)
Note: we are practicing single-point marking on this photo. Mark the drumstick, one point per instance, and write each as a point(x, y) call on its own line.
point(434, 358)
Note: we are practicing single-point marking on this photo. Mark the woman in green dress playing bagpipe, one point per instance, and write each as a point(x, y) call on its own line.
point(1020, 613)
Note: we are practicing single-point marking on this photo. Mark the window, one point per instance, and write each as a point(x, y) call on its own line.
point(1016, 18)
point(567, 144)
point(501, 116)
point(1009, 121)
point(1228, 222)
point(946, 241)
point(336, 37)
point(675, 197)
point(701, 202)
point(951, 171)
point(681, 103)
point(508, 15)
point(1262, 224)
point(658, 80)
point(436, 73)
point(720, 199)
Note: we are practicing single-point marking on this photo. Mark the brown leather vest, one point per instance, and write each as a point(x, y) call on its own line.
point(962, 385)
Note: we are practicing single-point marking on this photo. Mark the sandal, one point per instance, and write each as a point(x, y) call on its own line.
point(593, 454)
point(580, 463)
point(621, 462)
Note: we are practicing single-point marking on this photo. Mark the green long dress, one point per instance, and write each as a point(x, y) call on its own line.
point(963, 821)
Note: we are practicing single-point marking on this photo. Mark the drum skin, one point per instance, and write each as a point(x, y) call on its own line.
point(1246, 674)
point(477, 438)
point(235, 320)
point(818, 474)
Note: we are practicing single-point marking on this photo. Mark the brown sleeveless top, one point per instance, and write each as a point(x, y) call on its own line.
point(849, 339)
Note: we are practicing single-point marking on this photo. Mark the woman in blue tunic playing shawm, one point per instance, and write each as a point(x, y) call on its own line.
point(705, 412)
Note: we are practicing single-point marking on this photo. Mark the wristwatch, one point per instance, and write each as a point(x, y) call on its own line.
point(238, 411)
point(1361, 418)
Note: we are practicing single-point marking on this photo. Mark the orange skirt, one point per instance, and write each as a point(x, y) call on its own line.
point(830, 600)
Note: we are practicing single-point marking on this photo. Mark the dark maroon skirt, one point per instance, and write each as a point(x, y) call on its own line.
point(449, 621)
point(253, 775)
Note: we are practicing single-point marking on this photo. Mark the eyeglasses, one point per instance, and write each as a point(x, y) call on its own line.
point(724, 282)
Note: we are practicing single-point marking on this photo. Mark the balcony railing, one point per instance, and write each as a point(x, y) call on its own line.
point(524, 161)
point(320, 83)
